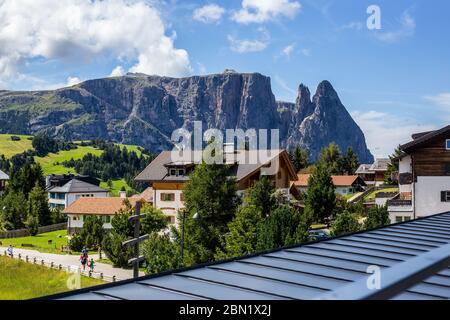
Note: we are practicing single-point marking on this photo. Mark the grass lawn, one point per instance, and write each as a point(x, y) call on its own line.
point(10, 148)
point(49, 163)
point(20, 280)
point(116, 186)
point(40, 241)
point(371, 196)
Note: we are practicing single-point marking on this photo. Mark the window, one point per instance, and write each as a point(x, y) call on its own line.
point(182, 197)
point(447, 144)
point(167, 196)
point(399, 219)
point(172, 172)
point(445, 196)
point(106, 219)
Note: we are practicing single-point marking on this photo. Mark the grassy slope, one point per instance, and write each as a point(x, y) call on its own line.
point(40, 242)
point(20, 280)
point(10, 148)
point(116, 186)
point(52, 163)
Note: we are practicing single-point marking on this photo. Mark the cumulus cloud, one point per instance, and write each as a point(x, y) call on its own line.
point(259, 11)
point(288, 50)
point(406, 29)
point(209, 13)
point(71, 81)
point(246, 45)
point(385, 131)
point(117, 72)
point(81, 31)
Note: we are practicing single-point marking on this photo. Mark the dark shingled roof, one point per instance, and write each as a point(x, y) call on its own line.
point(420, 139)
point(157, 169)
point(413, 258)
point(77, 186)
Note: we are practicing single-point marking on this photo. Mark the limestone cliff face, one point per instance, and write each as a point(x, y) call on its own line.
point(144, 110)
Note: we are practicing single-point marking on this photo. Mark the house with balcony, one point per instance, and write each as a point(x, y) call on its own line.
point(373, 174)
point(168, 176)
point(424, 177)
point(106, 208)
point(345, 185)
point(63, 196)
point(3, 179)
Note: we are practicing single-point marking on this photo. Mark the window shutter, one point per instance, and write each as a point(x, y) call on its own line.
point(443, 196)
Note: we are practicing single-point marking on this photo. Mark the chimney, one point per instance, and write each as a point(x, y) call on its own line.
point(122, 194)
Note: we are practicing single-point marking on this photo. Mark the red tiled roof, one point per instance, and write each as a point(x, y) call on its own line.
point(98, 206)
point(338, 181)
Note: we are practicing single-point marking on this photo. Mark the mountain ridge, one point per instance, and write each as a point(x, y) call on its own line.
point(144, 110)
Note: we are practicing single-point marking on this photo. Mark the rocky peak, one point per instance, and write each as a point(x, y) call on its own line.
point(145, 110)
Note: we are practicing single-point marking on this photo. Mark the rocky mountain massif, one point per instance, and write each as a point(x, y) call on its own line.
point(144, 110)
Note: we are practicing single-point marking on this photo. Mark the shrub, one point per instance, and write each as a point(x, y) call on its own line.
point(76, 243)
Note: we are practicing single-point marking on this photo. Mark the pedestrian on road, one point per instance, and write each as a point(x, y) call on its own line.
point(10, 251)
point(92, 264)
point(83, 260)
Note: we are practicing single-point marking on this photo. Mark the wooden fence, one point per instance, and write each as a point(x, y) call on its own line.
point(67, 268)
point(25, 233)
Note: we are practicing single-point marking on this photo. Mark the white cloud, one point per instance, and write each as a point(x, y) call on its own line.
point(80, 31)
point(353, 26)
point(441, 100)
point(384, 131)
point(288, 50)
point(117, 72)
point(71, 81)
point(246, 45)
point(407, 29)
point(209, 13)
point(259, 11)
point(306, 52)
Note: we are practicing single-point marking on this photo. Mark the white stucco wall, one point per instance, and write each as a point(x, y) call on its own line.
point(428, 195)
point(170, 208)
point(78, 223)
point(405, 165)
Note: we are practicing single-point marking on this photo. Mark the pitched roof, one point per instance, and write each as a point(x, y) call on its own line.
point(338, 181)
point(413, 256)
point(147, 195)
point(157, 169)
point(364, 169)
point(77, 186)
point(380, 164)
point(98, 206)
point(3, 176)
point(422, 138)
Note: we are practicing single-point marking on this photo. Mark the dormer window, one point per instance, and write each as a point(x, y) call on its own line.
point(176, 172)
point(447, 144)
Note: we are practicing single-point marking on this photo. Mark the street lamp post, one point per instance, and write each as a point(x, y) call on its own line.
point(182, 234)
point(196, 217)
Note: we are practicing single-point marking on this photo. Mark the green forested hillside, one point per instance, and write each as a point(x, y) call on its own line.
point(52, 163)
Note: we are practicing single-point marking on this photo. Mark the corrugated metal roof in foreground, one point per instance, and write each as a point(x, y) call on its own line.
point(321, 270)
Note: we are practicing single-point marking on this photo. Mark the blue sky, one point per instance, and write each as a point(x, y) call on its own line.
point(394, 81)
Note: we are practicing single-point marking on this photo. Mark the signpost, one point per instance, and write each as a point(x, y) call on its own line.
point(136, 240)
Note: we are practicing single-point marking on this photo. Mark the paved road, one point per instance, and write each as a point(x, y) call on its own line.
point(73, 262)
